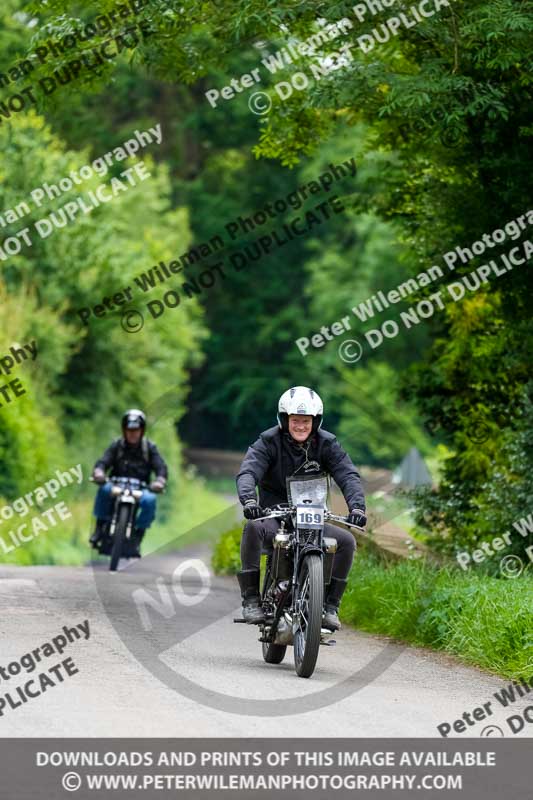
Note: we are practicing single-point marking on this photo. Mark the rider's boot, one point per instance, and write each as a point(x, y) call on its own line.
point(136, 540)
point(251, 599)
point(330, 619)
point(98, 534)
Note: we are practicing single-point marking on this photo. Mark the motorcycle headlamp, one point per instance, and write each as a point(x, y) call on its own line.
point(116, 490)
point(137, 493)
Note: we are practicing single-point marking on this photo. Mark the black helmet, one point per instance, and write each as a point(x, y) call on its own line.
point(133, 419)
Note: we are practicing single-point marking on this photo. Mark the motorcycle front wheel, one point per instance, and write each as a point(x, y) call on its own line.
point(119, 536)
point(310, 600)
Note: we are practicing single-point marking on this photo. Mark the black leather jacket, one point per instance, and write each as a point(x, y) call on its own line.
point(133, 461)
point(276, 456)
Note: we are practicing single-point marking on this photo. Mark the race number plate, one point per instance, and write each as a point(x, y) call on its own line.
point(309, 516)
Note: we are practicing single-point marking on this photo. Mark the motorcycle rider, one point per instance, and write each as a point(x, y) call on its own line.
point(297, 445)
point(130, 456)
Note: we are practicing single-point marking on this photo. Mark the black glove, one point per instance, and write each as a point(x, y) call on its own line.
point(99, 475)
point(252, 510)
point(357, 517)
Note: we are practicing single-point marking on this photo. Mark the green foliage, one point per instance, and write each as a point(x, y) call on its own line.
point(212, 155)
point(84, 376)
point(460, 515)
point(75, 267)
point(63, 543)
point(446, 610)
point(226, 558)
point(440, 122)
point(375, 426)
point(30, 444)
point(463, 77)
point(30, 440)
point(278, 304)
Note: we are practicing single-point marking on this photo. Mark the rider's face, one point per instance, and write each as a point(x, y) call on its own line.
point(300, 426)
point(133, 436)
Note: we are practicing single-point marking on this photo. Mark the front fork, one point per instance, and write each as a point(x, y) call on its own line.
point(122, 501)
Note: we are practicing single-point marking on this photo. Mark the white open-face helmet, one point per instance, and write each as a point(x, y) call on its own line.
point(299, 400)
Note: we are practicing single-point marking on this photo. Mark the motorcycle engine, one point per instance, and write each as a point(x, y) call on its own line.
point(284, 630)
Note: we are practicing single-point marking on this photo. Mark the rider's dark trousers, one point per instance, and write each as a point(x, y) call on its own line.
point(259, 533)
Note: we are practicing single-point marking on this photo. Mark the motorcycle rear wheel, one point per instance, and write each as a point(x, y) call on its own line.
point(119, 537)
point(272, 653)
point(311, 600)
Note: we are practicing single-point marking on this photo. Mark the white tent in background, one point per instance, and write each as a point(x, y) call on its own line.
point(412, 471)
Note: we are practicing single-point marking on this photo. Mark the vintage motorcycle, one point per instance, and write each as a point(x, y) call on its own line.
point(298, 570)
point(117, 536)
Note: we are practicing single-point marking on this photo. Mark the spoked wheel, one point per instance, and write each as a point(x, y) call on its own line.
point(309, 602)
point(119, 537)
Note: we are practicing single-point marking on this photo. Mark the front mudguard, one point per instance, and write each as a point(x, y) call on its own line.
point(313, 549)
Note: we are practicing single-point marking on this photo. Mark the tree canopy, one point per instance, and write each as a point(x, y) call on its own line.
point(438, 119)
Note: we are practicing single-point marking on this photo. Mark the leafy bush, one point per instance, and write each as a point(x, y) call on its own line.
point(463, 512)
point(226, 559)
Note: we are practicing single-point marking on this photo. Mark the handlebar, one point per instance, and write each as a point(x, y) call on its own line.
point(344, 520)
point(119, 479)
point(283, 510)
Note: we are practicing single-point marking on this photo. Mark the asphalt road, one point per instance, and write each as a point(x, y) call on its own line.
point(136, 652)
